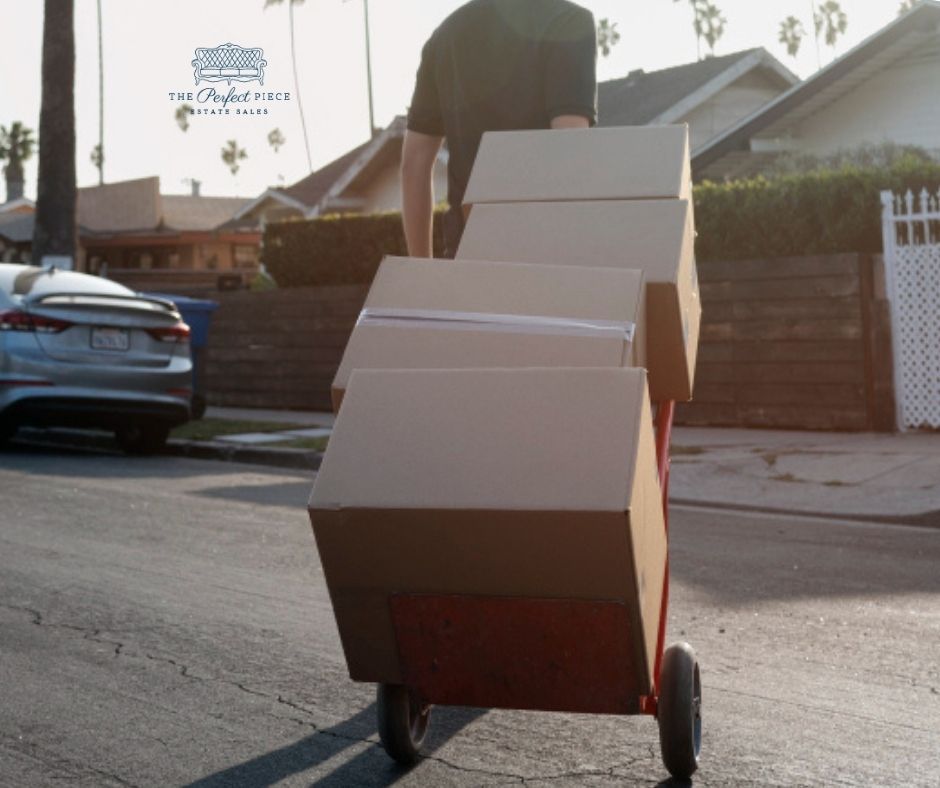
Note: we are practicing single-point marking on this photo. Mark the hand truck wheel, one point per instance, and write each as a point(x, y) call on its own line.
point(680, 711)
point(403, 722)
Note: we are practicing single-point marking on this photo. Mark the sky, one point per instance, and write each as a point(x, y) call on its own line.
point(148, 48)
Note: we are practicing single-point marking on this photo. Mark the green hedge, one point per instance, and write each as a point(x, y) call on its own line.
point(820, 212)
point(335, 250)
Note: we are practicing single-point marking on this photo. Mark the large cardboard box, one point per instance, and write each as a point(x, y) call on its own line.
point(655, 236)
point(612, 163)
point(433, 314)
point(481, 486)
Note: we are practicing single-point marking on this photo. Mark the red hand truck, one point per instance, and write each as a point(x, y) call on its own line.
point(676, 701)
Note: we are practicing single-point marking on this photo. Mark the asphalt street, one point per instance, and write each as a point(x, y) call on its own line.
point(165, 622)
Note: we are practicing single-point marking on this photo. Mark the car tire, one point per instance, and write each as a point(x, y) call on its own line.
point(142, 439)
point(7, 431)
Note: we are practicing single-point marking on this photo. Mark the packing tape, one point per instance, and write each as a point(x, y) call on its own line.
point(486, 321)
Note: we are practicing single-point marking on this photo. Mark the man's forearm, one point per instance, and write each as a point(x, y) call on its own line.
point(417, 194)
point(419, 152)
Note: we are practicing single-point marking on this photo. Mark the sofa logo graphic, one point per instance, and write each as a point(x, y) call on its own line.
point(229, 63)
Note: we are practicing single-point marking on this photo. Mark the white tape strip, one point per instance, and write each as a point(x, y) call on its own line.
point(485, 321)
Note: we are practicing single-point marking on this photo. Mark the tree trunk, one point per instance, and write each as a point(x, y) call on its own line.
point(55, 230)
point(15, 180)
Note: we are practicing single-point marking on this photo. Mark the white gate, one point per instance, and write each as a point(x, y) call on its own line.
point(911, 229)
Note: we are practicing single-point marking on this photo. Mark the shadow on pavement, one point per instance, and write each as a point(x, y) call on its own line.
point(290, 494)
point(370, 768)
point(787, 557)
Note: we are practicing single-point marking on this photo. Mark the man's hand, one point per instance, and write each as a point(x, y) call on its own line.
point(570, 122)
point(419, 152)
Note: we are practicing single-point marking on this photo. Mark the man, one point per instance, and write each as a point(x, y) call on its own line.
point(491, 65)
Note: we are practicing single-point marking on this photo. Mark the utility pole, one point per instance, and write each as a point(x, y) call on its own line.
point(372, 129)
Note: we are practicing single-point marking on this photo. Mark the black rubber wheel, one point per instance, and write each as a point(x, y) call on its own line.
point(142, 438)
point(403, 722)
point(198, 406)
point(7, 431)
point(680, 711)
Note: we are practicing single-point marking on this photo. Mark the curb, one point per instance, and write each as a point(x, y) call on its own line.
point(301, 459)
point(227, 452)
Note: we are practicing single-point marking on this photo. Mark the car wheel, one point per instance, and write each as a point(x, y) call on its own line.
point(7, 431)
point(142, 438)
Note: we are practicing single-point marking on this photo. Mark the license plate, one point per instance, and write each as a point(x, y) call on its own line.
point(110, 339)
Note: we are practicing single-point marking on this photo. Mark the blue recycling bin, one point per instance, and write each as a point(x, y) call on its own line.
point(197, 314)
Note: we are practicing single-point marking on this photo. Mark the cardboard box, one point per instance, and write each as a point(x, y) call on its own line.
point(471, 292)
point(612, 163)
point(526, 484)
point(655, 236)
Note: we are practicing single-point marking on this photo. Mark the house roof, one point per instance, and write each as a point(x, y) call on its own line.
point(138, 206)
point(186, 212)
point(918, 25)
point(120, 207)
point(313, 188)
point(17, 228)
point(20, 204)
point(641, 98)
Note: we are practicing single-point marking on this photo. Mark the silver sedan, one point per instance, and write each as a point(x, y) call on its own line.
point(84, 352)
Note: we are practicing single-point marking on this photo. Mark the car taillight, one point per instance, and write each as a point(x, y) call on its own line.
point(178, 333)
point(23, 321)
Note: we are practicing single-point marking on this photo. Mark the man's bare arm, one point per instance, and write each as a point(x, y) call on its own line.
point(419, 152)
point(570, 122)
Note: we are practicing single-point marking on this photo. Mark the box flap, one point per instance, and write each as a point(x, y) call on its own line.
point(495, 288)
point(655, 236)
point(610, 163)
point(510, 439)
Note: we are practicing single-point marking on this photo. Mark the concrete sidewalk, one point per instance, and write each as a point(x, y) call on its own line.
point(887, 477)
point(892, 477)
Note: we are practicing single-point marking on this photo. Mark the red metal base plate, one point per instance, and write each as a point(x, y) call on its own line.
point(517, 653)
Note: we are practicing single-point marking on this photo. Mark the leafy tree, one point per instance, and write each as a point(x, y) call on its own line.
point(183, 111)
point(232, 154)
point(607, 36)
point(276, 139)
point(791, 34)
point(54, 231)
point(17, 144)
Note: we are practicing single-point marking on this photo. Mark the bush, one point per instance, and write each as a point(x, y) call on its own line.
point(335, 250)
point(817, 212)
point(822, 211)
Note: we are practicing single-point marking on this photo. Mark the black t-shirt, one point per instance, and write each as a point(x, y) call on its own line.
point(502, 65)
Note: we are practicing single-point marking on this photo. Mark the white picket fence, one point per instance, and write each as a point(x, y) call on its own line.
point(911, 230)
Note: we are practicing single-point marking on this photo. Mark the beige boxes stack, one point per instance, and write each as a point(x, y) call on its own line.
point(495, 442)
point(599, 197)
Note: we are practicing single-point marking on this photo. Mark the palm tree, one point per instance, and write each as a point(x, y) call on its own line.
point(791, 34)
point(710, 24)
point(54, 231)
point(183, 111)
point(276, 139)
point(232, 154)
point(98, 154)
point(831, 20)
point(607, 36)
point(293, 57)
point(16, 146)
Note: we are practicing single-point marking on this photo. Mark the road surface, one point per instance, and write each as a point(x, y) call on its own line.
point(165, 622)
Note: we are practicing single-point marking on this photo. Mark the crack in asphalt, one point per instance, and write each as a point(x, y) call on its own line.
point(93, 633)
point(88, 633)
point(56, 763)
